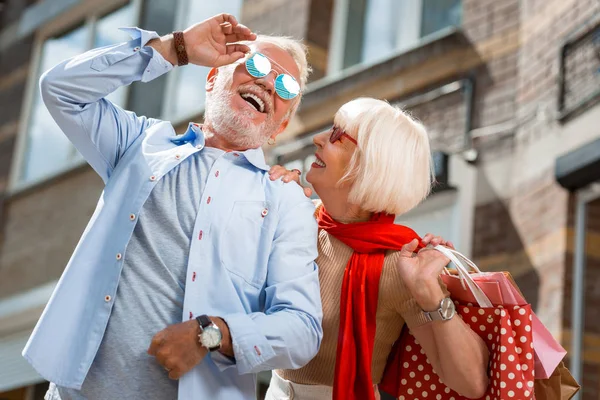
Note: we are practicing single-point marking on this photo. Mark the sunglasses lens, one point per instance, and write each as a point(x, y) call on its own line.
point(286, 86)
point(258, 65)
point(336, 134)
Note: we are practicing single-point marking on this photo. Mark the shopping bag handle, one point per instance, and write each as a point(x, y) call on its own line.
point(459, 261)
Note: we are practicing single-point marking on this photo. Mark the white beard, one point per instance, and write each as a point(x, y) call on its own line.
point(235, 127)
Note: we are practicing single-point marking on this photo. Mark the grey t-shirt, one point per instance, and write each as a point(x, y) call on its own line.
point(150, 292)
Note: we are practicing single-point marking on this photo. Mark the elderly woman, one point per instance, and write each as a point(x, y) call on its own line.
point(373, 164)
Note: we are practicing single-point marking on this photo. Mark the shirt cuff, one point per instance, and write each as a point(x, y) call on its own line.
point(157, 64)
point(222, 361)
point(250, 346)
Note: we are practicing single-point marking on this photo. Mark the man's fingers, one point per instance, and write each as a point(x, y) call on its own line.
point(237, 48)
point(235, 34)
point(174, 374)
point(238, 37)
point(242, 29)
point(226, 28)
point(154, 344)
point(228, 58)
point(409, 248)
point(224, 17)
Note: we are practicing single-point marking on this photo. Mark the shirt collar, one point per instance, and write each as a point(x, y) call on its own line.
point(195, 137)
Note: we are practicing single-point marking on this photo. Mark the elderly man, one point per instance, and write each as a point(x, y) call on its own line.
point(189, 228)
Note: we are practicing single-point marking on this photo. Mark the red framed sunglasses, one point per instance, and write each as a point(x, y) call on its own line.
point(337, 133)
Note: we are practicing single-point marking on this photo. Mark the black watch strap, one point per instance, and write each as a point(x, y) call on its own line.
point(203, 321)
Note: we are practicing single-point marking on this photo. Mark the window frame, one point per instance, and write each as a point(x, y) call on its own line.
point(337, 41)
point(88, 15)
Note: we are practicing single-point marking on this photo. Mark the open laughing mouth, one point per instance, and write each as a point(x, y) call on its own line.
point(256, 102)
point(318, 163)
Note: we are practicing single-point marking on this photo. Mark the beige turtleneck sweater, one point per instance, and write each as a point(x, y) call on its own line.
point(395, 307)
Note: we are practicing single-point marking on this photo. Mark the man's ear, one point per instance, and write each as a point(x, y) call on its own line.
point(282, 127)
point(210, 79)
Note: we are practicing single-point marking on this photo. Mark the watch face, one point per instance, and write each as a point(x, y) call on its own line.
point(211, 337)
point(447, 308)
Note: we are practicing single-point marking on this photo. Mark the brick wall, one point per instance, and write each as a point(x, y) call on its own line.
point(445, 119)
point(45, 226)
point(14, 67)
point(591, 336)
point(522, 217)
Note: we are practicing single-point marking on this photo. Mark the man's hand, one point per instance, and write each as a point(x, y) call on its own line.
point(177, 348)
point(277, 171)
point(209, 43)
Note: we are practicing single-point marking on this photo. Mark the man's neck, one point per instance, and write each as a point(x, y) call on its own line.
point(217, 141)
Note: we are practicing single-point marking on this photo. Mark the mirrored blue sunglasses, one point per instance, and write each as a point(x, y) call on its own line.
point(259, 66)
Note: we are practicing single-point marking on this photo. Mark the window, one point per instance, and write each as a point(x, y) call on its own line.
point(46, 151)
point(368, 30)
point(185, 91)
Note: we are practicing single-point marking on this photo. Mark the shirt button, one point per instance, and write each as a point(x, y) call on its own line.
point(136, 49)
point(198, 146)
point(153, 178)
point(236, 155)
point(264, 212)
point(119, 256)
point(107, 298)
point(208, 200)
point(191, 315)
point(217, 174)
point(177, 156)
point(200, 235)
point(132, 216)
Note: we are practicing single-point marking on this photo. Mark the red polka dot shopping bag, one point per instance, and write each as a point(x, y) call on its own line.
point(507, 332)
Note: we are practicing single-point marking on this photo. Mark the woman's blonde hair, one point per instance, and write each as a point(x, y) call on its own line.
point(392, 169)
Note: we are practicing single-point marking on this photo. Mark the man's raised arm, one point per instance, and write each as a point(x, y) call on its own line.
point(74, 91)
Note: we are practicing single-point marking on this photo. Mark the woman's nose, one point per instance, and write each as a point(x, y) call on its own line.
point(319, 138)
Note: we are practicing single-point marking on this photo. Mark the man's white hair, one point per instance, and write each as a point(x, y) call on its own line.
point(392, 169)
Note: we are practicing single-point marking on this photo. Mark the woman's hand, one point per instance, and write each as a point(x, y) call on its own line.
point(420, 272)
point(277, 171)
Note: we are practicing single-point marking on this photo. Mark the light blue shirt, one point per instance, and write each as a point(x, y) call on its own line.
point(253, 239)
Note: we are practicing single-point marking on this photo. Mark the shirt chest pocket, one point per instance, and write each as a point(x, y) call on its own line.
point(246, 241)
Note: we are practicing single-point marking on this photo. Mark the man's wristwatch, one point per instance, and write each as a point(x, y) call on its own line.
point(446, 311)
point(210, 335)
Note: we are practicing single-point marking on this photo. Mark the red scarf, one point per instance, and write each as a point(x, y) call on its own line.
point(360, 292)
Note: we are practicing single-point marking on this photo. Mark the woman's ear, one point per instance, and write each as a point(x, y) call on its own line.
point(210, 79)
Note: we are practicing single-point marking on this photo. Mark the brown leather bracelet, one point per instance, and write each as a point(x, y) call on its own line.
point(182, 57)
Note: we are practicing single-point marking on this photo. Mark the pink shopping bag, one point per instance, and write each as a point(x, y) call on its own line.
point(501, 289)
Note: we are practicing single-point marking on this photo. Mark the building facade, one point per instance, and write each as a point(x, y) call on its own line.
point(507, 89)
